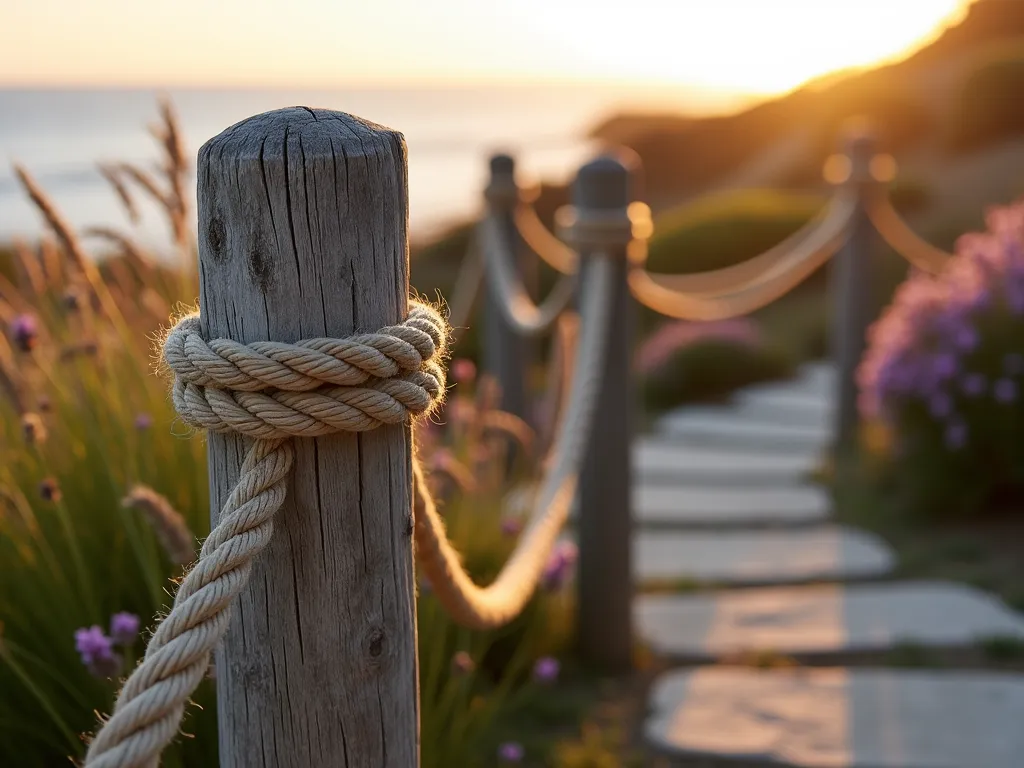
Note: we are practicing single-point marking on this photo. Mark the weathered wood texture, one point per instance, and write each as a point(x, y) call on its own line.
point(605, 519)
point(851, 289)
point(302, 233)
point(506, 355)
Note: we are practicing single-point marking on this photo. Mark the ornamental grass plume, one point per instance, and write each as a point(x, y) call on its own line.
point(170, 527)
point(943, 369)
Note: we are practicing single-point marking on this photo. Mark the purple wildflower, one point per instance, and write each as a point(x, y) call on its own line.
point(966, 338)
point(1005, 391)
point(511, 752)
point(940, 405)
point(463, 371)
point(462, 664)
point(511, 525)
point(956, 435)
point(124, 627)
point(25, 332)
point(546, 670)
point(945, 365)
point(974, 384)
point(559, 567)
point(143, 421)
point(97, 651)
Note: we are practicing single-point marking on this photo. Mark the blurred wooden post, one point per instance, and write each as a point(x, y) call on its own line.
point(505, 354)
point(852, 289)
point(605, 187)
point(302, 224)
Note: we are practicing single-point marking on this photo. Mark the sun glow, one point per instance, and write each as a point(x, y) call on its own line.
point(757, 46)
point(747, 46)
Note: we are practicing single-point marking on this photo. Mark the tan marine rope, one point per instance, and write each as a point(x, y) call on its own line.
point(539, 239)
point(651, 290)
point(496, 604)
point(902, 238)
point(726, 280)
point(271, 392)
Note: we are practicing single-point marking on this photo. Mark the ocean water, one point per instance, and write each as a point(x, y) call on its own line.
point(59, 135)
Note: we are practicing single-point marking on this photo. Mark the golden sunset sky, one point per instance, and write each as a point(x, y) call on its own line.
point(748, 46)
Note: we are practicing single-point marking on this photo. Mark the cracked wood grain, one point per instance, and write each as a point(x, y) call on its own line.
point(302, 221)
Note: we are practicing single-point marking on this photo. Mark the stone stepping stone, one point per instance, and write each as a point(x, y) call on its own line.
point(655, 504)
point(828, 553)
point(689, 465)
point(727, 425)
point(821, 621)
point(841, 718)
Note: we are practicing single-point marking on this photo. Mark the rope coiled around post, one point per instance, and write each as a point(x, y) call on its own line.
point(269, 391)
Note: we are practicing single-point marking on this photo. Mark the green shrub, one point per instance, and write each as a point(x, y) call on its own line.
point(708, 366)
point(988, 108)
point(725, 229)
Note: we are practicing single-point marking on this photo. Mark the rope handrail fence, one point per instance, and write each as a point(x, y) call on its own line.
point(310, 415)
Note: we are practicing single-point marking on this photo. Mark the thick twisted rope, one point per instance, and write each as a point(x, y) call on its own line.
point(511, 296)
point(491, 606)
point(654, 291)
point(902, 238)
point(543, 242)
point(271, 392)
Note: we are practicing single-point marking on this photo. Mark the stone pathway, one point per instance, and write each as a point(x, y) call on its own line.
point(823, 620)
point(739, 557)
point(724, 496)
point(667, 460)
point(664, 505)
point(863, 718)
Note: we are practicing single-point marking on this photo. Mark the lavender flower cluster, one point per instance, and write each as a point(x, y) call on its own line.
point(948, 355)
point(98, 650)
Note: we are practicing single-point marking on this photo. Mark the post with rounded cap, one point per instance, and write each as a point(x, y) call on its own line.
point(302, 234)
point(851, 287)
point(602, 192)
point(505, 353)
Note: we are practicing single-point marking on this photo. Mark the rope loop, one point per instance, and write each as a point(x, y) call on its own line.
point(311, 388)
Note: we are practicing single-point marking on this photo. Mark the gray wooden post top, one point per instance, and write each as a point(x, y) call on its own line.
point(501, 192)
point(606, 182)
point(860, 145)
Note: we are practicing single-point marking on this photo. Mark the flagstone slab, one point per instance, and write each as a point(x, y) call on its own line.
point(728, 425)
point(671, 504)
point(659, 458)
point(826, 553)
point(822, 620)
point(840, 718)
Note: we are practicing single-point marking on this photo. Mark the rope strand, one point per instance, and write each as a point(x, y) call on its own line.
point(651, 291)
point(497, 604)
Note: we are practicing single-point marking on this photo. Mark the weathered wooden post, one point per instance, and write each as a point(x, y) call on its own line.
point(506, 353)
point(852, 289)
point(302, 233)
point(603, 190)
